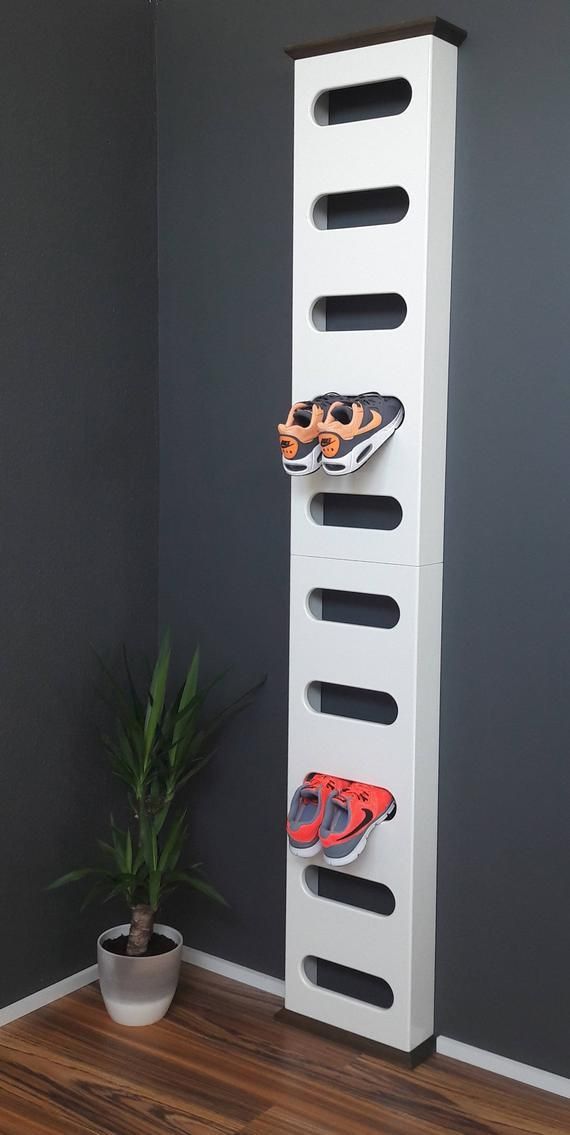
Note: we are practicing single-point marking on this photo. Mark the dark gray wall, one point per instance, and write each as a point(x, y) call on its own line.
point(225, 127)
point(78, 441)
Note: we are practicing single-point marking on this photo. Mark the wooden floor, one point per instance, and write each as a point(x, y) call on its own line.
point(220, 1063)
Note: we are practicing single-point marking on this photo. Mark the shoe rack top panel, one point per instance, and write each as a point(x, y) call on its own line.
point(409, 29)
point(409, 361)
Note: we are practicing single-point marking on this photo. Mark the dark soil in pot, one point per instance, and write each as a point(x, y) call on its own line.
point(158, 944)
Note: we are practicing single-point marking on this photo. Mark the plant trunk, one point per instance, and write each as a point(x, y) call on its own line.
point(142, 925)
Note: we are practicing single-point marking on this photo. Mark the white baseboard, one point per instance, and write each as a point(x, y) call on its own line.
point(236, 972)
point(47, 995)
point(502, 1066)
point(196, 957)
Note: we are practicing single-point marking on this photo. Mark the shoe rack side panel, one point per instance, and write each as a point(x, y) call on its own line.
point(439, 202)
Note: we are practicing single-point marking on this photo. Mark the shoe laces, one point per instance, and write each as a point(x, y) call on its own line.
point(320, 779)
point(323, 400)
point(330, 397)
point(345, 413)
point(354, 794)
point(368, 398)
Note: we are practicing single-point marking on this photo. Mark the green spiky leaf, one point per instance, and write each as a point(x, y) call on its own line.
point(159, 742)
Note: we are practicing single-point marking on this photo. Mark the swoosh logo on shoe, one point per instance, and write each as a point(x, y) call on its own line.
point(373, 424)
point(289, 447)
point(368, 816)
point(330, 444)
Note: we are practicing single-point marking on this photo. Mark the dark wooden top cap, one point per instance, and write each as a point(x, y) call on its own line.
point(440, 28)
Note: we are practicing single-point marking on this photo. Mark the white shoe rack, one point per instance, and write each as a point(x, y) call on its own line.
point(411, 258)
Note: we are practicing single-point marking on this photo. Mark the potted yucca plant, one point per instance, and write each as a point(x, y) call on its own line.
point(158, 745)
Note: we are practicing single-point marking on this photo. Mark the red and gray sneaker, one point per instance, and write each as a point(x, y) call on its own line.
point(350, 815)
point(354, 429)
point(299, 435)
point(307, 811)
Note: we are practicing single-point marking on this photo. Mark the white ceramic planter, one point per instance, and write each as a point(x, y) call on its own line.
point(138, 991)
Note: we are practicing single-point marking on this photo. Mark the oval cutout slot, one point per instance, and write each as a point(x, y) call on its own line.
point(354, 983)
point(356, 608)
point(352, 701)
point(382, 311)
point(362, 102)
point(362, 208)
point(351, 510)
point(350, 890)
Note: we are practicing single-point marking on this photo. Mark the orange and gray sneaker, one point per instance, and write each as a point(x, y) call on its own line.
point(299, 435)
point(307, 811)
point(350, 815)
point(354, 429)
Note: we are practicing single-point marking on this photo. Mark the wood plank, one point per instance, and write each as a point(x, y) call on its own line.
point(107, 1105)
point(316, 1119)
point(446, 1096)
point(21, 1116)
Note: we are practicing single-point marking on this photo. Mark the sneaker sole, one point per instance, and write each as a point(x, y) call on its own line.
point(305, 465)
point(356, 851)
point(354, 460)
point(306, 852)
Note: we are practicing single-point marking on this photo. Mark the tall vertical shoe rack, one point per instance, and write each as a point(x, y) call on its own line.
point(397, 552)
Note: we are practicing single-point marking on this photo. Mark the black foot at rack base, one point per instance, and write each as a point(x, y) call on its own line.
point(372, 1047)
